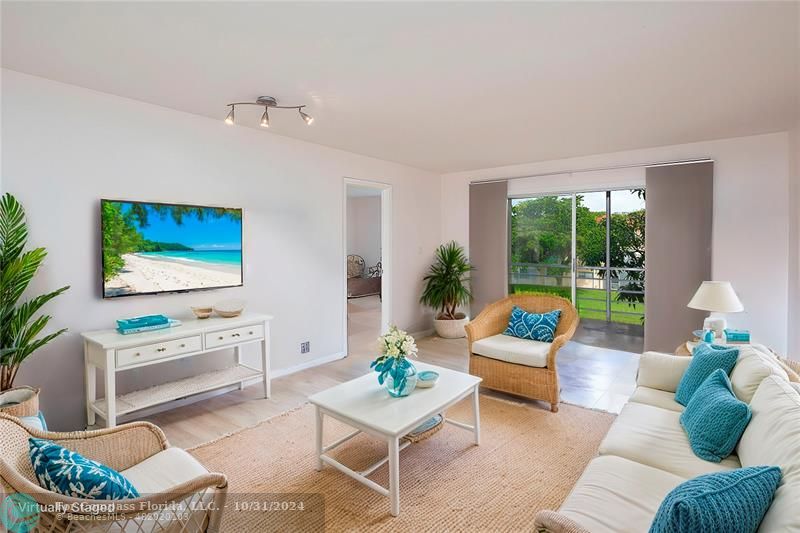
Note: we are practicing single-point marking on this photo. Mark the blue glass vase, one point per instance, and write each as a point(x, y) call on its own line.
point(407, 382)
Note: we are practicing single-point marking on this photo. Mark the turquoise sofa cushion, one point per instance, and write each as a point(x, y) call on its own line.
point(734, 502)
point(66, 472)
point(715, 419)
point(533, 326)
point(706, 358)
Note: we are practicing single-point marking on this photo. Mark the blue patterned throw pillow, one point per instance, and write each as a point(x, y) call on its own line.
point(533, 326)
point(715, 419)
point(65, 472)
point(734, 502)
point(706, 358)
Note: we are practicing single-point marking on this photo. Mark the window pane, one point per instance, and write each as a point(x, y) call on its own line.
point(627, 255)
point(590, 249)
point(541, 245)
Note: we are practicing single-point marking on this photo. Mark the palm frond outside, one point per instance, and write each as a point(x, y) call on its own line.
point(447, 281)
point(20, 326)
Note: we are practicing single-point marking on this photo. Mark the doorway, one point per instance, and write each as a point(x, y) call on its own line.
point(367, 259)
point(587, 247)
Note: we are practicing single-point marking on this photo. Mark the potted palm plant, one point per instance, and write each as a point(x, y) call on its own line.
point(446, 288)
point(19, 325)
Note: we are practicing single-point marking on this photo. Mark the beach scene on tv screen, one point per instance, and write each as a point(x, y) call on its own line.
point(151, 248)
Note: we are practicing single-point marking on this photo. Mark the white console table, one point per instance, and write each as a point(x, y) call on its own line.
point(112, 353)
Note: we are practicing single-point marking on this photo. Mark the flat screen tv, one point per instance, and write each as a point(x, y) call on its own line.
point(152, 248)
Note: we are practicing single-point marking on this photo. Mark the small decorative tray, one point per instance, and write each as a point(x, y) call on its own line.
point(427, 378)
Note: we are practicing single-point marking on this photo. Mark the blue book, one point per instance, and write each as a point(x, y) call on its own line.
point(171, 323)
point(128, 331)
point(737, 335)
point(142, 321)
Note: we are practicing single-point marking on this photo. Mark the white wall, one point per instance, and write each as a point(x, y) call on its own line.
point(66, 147)
point(364, 228)
point(569, 182)
point(751, 217)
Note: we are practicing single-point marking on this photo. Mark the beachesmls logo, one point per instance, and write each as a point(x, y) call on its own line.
point(19, 513)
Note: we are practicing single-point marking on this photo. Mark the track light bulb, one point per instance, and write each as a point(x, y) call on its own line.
point(229, 120)
point(265, 118)
point(308, 118)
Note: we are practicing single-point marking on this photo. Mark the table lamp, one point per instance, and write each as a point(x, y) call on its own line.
point(717, 297)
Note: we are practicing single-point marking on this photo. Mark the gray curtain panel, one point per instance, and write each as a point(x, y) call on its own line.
point(678, 250)
point(488, 242)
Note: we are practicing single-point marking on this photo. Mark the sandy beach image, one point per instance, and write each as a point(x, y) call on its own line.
point(155, 274)
point(151, 248)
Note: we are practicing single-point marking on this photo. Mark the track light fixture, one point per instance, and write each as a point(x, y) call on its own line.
point(308, 118)
point(266, 102)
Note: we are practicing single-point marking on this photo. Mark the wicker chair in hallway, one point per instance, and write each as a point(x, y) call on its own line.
point(517, 366)
point(177, 493)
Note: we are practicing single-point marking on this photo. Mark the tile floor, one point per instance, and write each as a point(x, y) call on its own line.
point(591, 376)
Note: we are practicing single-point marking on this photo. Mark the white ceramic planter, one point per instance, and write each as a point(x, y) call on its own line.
point(451, 329)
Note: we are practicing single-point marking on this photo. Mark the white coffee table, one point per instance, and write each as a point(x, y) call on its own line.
point(365, 405)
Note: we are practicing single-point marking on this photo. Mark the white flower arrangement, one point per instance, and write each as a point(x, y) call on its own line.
point(397, 344)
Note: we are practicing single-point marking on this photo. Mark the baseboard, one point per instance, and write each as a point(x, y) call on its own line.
point(308, 364)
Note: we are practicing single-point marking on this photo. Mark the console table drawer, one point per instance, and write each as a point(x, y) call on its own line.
point(234, 336)
point(150, 352)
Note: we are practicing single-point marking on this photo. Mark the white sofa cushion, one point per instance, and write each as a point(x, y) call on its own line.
point(654, 437)
point(656, 398)
point(513, 350)
point(773, 438)
point(614, 494)
point(752, 366)
point(163, 471)
point(661, 371)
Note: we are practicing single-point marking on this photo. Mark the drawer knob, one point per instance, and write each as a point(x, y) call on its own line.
point(221, 338)
point(183, 346)
point(250, 332)
point(235, 335)
point(137, 354)
point(161, 349)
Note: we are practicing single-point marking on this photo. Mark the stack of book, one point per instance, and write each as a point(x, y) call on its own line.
point(139, 324)
point(737, 336)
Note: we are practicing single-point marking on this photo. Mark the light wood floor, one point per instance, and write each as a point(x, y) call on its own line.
point(592, 377)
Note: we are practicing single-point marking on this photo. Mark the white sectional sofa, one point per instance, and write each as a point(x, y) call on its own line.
point(646, 452)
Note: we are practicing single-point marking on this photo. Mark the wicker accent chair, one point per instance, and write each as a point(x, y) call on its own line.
point(535, 382)
point(194, 504)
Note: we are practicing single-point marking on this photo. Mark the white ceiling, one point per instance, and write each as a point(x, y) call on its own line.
point(442, 86)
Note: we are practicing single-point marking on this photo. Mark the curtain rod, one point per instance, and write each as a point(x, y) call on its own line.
point(598, 169)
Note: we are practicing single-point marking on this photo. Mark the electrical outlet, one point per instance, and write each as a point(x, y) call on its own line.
point(305, 347)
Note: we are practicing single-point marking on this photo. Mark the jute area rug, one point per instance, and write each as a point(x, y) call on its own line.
point(528, 460)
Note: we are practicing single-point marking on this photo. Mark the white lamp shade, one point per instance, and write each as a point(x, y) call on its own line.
point(716, 296)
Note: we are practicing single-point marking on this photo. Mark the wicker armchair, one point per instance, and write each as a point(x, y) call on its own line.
point(539, 383)
point(192, 506)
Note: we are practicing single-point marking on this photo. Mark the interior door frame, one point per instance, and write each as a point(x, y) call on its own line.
point(386, 252)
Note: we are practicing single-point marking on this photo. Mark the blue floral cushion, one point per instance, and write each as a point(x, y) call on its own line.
point(533, 326)
point(65, 472)
point(715, 419)
point(706, 358)
point(734, 502)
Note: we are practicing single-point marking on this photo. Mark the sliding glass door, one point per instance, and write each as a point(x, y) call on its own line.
point(587, 247)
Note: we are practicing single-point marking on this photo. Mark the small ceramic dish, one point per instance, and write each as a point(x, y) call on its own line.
point(229, 308)
point(202, 312)
point(427, 378)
